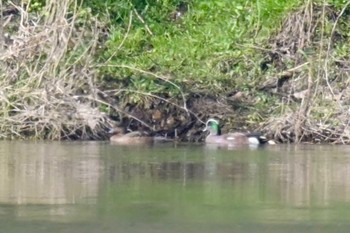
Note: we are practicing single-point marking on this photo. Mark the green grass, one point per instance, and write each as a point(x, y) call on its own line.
point(208, 49)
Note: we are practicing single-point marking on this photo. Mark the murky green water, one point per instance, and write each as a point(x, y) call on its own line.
point(97, 187)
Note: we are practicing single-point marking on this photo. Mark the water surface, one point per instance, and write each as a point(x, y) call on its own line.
point(98, 187)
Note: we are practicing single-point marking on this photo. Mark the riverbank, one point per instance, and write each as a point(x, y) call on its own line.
point(74, 71)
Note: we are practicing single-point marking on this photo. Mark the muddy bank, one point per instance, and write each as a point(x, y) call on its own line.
point(183, 121)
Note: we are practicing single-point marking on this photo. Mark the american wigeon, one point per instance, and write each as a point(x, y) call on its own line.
point(232, 139)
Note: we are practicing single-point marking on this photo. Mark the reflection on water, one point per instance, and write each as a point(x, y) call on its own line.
point(40, 173)
point(192, 189)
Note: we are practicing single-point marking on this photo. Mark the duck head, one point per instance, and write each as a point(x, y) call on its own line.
point(213, 127)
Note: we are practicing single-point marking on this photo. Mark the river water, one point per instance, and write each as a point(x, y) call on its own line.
point(85, 187)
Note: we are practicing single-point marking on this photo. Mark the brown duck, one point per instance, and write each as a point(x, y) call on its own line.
point(132, 138)
point(119, 137)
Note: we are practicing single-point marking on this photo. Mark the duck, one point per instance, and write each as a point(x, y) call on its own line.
point(118, 136)
point(232, 139)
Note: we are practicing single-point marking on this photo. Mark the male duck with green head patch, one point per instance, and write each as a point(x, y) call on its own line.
point(232, 139)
